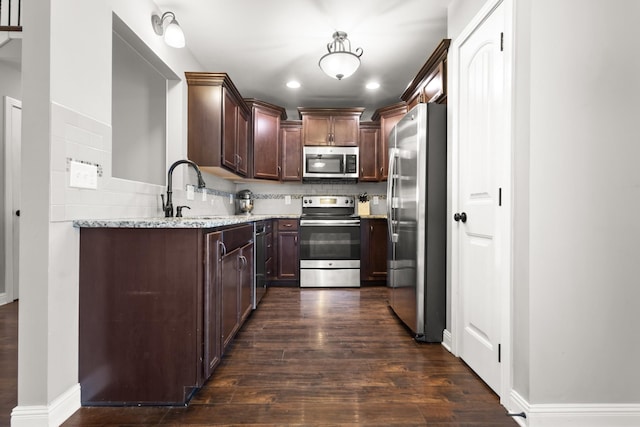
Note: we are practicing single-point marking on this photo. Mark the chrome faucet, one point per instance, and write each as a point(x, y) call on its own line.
point(168, 206)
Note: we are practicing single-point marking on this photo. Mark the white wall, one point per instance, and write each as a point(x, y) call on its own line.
point(459, 14)
point(67, 114)
point(138, 113)
point(584, 200)
point(10, 85)
point(576, 197)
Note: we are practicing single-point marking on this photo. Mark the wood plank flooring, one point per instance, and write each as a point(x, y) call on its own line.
point(325, 357)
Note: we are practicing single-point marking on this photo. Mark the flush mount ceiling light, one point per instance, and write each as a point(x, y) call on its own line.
point(340, 62)
point(173, 35)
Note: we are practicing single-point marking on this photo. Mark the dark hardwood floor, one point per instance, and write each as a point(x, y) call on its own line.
point(8, 361)
point(326, 357)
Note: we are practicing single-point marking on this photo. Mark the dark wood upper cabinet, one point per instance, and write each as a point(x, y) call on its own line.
point(330, 126)
point(265, 136)
point(430, 84)
point(369, 146)
point(388, 117)
point(291, 145)
point(218, 121)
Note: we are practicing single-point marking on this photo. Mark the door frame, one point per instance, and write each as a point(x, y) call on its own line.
point(11, 288)
point(505, 215)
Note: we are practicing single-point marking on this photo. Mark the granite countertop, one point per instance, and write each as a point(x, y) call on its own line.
point(204, 221)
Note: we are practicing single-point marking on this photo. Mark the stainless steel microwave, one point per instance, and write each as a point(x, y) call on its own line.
point(330, 162)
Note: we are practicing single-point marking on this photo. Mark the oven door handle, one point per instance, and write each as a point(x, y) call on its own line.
point(330, 222)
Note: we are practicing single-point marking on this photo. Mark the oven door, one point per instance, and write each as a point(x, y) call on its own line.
point(329, 253)
point(328, 239)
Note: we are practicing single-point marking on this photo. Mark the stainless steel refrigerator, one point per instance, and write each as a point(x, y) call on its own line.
point(416, 215)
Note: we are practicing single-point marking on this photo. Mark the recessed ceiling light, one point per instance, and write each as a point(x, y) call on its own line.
point(373, 85)
point(293, 84)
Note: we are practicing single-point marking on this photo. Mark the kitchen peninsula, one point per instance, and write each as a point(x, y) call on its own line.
point(161, 299)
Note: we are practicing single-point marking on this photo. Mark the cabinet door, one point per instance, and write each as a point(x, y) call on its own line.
point(246, 276)
point(242, 143)
point(291, 139)
point(230, 321)
point(229, 132)
point(345, 130)
point(266, 149)
point(288, 264)
point(369, 154)
point(386, 125)
point(316, 130)
point(212, 342)
point(373, 239)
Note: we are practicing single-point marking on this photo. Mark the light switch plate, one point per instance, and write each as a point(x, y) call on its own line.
point(287, 200)
point(190, 192)
point(376, 200)
point(83, 175)
point(204, 195)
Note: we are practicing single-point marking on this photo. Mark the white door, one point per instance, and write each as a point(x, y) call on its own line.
point(480, 150)
point(13, 135)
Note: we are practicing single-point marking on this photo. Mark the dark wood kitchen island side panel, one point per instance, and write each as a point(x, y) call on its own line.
point(150, 312)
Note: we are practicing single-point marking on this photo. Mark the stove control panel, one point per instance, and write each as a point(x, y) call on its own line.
point(328, 201)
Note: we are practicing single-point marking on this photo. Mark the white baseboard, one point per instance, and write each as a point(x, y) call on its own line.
point(51, 415)
point(4, 298)
point(446, 340)
point(574, 415)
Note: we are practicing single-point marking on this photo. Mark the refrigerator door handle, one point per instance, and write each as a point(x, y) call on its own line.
point(391, 184)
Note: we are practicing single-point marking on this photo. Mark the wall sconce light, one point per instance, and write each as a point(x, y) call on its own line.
point(340, 62)
point(173, 35)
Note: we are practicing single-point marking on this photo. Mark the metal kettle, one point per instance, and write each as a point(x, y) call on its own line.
point(244, 202)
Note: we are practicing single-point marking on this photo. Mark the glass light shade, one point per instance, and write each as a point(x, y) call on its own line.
point(173, 35)
point(339, 65)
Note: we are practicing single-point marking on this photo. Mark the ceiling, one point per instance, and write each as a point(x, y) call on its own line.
point(262, 44)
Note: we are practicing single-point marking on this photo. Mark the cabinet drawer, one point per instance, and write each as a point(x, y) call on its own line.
point(236, 237)
point(287, 224)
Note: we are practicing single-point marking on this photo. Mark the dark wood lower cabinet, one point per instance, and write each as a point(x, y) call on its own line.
point(287, 252)
point(156, 309)
point(373, 251)
point(212, 304)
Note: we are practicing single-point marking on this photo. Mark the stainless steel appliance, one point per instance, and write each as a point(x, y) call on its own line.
point(244, 202)
point(260, 283)
point(322, 162)
point(416, 213)
point(329, 242)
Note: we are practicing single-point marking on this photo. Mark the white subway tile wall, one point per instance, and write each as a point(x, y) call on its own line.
point(80, 138)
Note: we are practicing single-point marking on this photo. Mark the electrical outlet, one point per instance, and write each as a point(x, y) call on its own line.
point(83, 175)
point(204, 195)
point(287, 200)
point(230, 199)
point(190, 192)
point(376, 200)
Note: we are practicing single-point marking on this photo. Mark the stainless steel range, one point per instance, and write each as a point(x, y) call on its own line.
point(329, 242)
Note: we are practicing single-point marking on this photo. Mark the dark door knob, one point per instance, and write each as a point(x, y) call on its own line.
point(18, 212)
point(460, 217)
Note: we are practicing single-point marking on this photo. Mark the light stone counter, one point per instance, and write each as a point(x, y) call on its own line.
point(184, 222)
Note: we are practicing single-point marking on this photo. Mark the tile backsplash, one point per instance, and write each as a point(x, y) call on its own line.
point(79, 138)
